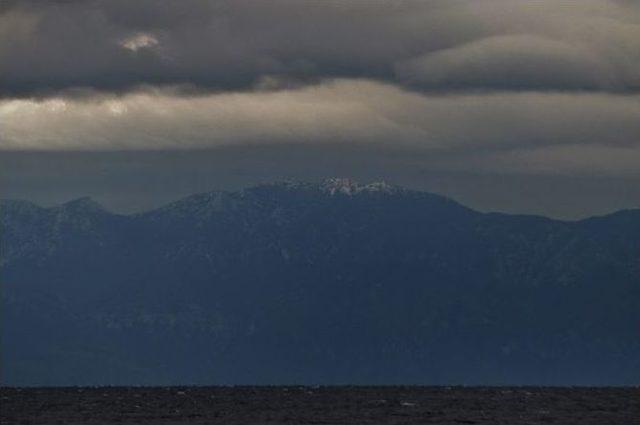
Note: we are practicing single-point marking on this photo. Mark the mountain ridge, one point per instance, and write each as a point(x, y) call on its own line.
point(300, 283)
point(331, 186)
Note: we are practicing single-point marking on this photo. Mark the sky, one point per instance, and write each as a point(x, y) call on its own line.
point(505, 105)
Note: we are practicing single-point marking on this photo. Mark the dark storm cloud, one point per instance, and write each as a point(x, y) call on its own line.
point(233, 45)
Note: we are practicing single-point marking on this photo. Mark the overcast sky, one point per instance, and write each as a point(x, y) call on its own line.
point(517, 106)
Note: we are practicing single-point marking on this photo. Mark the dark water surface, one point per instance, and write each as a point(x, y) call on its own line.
point(320, 405)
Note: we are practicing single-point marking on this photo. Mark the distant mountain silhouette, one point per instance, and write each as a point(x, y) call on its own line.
point(324, 283)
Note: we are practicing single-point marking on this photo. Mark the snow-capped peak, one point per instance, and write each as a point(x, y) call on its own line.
point(350, 187)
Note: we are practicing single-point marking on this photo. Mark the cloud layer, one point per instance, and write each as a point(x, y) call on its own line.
point(515, 132)
point(230, 45)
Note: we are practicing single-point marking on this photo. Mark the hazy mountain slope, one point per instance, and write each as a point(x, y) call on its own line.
point(317, 283)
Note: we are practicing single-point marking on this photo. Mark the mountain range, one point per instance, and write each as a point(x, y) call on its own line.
point(316, 283)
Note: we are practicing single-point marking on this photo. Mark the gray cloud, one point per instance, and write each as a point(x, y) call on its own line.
point(518, 132)
point(512, 62)
point(232, 45)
